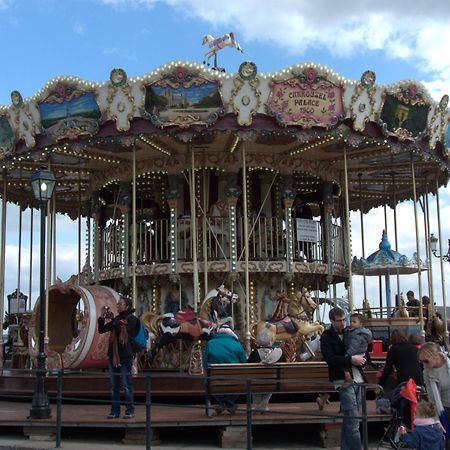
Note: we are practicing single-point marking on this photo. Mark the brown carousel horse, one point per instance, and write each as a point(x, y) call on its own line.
point(187, 324)
point(297, 322)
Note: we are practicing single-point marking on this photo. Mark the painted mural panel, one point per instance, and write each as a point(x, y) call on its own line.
point(404, 113)
point(69, 112)
point(183, 99)
point(308, 100)
point(7, 139)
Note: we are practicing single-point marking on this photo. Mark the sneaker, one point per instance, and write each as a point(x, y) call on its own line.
point(112, 415)
point(128, 415)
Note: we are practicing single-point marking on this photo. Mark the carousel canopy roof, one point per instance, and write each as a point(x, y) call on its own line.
point(386, 261)
point(303, 119)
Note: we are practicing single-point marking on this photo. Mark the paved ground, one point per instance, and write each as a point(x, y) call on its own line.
point(284, 438)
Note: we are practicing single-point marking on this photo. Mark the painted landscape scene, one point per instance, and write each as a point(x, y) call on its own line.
point(83, 106)
point(197, 100)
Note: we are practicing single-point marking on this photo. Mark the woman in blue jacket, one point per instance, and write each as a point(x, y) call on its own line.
point(224, 347)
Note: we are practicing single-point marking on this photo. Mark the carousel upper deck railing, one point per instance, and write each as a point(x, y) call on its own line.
point(267, 241)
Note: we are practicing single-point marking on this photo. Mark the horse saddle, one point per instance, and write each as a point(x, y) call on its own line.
point(185, 315)
point(288, 324)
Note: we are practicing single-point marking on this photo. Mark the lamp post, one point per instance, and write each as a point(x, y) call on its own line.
point(433, 247)
point(43, 182)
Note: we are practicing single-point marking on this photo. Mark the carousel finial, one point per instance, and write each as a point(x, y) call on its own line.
point(217, 44)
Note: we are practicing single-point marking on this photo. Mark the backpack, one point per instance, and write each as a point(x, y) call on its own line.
point(141, 337)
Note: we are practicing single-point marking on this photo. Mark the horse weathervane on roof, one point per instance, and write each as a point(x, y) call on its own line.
point(217, 44)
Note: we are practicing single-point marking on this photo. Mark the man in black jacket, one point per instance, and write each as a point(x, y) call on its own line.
point(332, 344)
point(121, 353)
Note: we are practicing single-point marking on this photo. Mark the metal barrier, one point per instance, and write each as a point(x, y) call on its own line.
point(59, 398)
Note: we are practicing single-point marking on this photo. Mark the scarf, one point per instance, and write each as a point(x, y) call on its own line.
point(115, 340)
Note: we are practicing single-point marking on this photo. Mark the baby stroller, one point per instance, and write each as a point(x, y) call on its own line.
point(403, 399)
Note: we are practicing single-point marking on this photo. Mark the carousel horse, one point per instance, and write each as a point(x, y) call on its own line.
point(187, 324)
point(297, 322)
point(435, 330)
point(217, 44)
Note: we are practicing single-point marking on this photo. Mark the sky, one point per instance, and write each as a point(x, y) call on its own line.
point(398, 40)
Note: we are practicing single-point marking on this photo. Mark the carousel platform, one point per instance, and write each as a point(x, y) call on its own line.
point(164, 417)
point(15, 384)
point(18, 383)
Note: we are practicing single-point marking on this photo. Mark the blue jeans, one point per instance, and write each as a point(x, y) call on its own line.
point(118, 374)
point(350, 397)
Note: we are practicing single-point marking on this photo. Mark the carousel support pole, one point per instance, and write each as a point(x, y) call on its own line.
point(419, 271)
point(134, 234)
point(96, 256)
point(19, 255)
point(387, 282)
point(232, 202)
point(429, 255)
point(2, 263)
point(53, 218)
point(88, 237)
point(205, 233)
point(441, 260)
point(173, 206)
point(396, 238)
point(30, 275)
point(194, 228)
point(349, 242)
point(361, 218)
point(79, 242)
point(246, 250)
point(79, 230)
point(48, 263)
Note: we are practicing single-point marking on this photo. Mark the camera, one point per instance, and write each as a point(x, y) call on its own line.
point(106, 313)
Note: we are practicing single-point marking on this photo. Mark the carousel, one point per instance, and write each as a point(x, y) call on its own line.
point(192, 185)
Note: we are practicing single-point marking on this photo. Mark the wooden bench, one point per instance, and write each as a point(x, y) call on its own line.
point(299, 377)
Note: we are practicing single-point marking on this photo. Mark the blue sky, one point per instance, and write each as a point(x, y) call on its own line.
point(42, 39)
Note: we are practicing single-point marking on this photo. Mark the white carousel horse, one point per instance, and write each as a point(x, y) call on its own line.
point(216, 44)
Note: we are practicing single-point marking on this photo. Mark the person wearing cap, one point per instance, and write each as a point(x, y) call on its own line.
point(224, 348)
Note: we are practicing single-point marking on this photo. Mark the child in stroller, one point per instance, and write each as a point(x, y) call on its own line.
point(403, 400)
point(428, 431)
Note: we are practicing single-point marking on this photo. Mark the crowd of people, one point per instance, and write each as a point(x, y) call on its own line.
point(344, 349)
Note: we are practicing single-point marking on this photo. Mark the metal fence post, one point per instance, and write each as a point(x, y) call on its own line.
point(365, 431)
point(148, 416)
point(58, 408)
point(248, 389)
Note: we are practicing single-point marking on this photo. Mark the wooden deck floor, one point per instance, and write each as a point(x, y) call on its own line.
point(94, 415)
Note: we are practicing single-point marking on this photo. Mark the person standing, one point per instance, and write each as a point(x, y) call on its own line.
point(401, 356)
point(121, 353)
point(436, 374)
point(332, 344)
point(412, 304)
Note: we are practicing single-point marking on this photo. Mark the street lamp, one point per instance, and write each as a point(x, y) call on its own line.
point(433, 247)
point(43, 182)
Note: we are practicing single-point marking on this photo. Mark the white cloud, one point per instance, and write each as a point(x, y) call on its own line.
point(78, 28)
point(417, 32)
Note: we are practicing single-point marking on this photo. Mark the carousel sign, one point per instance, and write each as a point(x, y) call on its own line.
point(307, 100)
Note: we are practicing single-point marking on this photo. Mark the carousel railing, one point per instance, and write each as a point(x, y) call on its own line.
point(267, 241)
point(111, 248)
